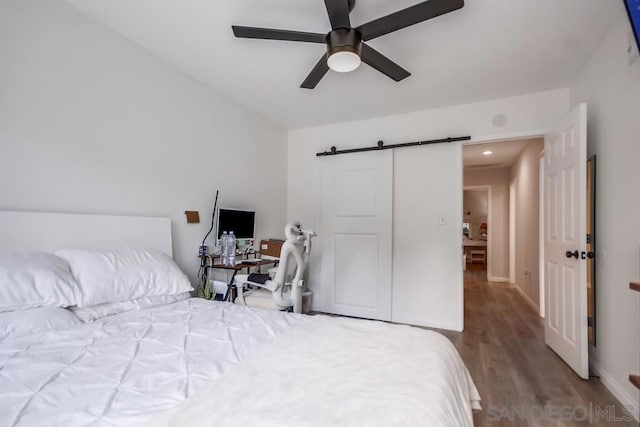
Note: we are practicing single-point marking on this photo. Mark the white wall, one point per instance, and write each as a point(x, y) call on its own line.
point(498, 179)
point(92, 123)
point(430, 180)
point(612, 90)
point(525, 174)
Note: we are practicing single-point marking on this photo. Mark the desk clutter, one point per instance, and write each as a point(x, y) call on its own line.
point(216, 289)
point(271, 247)
point(245, 258)
point(249, 261)
point(281, 288)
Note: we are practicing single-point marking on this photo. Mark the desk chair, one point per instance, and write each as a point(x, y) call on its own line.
point(281, 291)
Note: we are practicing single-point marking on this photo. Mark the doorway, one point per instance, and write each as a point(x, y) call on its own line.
point(562, 267)
point(475, 230)
point(493, 166)
point(509, 173)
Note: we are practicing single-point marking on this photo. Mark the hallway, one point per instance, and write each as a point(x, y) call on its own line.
point(521, 381)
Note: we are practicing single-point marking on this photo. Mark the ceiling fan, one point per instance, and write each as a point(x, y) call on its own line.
point(345, 47)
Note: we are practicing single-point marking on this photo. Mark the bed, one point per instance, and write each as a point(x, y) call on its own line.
point(172, 360)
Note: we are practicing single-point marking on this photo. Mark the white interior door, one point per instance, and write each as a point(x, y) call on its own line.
point(356, 233)
point(565, 156)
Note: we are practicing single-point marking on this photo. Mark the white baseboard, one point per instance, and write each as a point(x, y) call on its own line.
point(498, 279)
point(528, 299)
point(614, 387)
point(429, 324)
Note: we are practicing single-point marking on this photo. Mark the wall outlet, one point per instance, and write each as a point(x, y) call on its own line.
point(601, 256)
point(203, 250)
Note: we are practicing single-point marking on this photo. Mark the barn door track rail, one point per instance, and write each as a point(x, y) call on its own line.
point(333, 151)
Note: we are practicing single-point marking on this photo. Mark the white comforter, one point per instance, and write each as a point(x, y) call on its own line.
point(234, 366)
point(337, 371)
point(124, 369)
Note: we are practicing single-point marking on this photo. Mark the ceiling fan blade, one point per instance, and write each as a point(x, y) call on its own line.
point(316, 74)
point(376, 60)
point(407, 17)
point(272, 34)
point(338, 11)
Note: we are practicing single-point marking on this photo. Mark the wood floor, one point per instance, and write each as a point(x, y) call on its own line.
point(521, 381)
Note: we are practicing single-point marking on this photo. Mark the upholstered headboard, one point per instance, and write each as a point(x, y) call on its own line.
point(43, 231)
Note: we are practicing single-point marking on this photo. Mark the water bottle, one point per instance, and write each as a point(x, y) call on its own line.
point(232, 248)
point(224, 253)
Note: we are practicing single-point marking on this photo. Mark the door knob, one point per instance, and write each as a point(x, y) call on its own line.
point(570, 254)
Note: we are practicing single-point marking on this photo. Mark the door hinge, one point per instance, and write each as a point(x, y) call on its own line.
point(589, 239)
point(590, 321)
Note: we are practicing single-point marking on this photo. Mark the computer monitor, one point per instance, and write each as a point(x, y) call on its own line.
point(241, 222)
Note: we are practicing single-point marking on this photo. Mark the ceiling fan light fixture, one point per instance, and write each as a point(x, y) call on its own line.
point(344, 46)
point(343, 61)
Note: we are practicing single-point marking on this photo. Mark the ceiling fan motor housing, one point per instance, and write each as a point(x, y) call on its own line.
point(344, 40)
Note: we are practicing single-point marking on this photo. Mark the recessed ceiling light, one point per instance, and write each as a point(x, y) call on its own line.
point(487, 153)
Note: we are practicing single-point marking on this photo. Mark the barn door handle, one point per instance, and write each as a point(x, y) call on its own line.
point(570, 254)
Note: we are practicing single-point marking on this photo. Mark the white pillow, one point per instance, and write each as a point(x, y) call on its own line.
point(14, 324)
point(123, 274)
point(94, 312)
point(33, 279)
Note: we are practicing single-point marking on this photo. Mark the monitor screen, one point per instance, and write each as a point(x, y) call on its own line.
point(633, 8)
point(240, 222)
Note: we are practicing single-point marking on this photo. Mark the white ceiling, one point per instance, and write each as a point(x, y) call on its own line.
point(488, 49)
point(504, 154)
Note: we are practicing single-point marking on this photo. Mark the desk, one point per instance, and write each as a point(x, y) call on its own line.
point(469, 245)
point(474, 243)
point(231, 286)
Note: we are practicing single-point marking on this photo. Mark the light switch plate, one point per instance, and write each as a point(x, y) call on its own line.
point(442, 219)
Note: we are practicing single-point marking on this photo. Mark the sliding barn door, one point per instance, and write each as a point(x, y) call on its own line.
point(565, 240)
point(356, 232)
